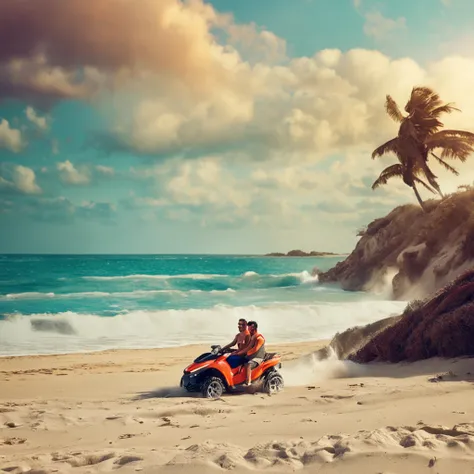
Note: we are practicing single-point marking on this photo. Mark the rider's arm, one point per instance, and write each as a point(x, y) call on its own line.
point(258, 344)
point(233, 343)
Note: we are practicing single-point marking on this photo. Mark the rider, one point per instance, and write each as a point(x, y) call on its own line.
point(241, 339)
point(254, 351)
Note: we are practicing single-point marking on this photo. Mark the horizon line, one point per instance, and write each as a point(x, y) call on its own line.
point(158, 253)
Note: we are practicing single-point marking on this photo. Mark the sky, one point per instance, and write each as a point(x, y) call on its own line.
point(224, 126)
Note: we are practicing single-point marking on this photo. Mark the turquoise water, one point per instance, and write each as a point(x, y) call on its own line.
point(56, 304)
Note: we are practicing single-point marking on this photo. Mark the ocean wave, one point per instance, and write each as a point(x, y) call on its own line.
point(303, 276)
point(77, 332)
point(204, 282)
point(27, 296)
point(250, 274)
point(188, 276)
point(176, 284)
point(256, 280)
point(34, 295)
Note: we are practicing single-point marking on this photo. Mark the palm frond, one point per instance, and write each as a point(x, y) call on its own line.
point(456, 144)
point(457, 150)
point(451, 134)
point(422, 98)
point(453, 148)
point(445, 165)
point(388, 173)
point(389, 147)
point(423, 119)
point(445, 109)
point(392, 109)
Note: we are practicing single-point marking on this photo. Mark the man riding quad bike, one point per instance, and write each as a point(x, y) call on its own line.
point(212, 375)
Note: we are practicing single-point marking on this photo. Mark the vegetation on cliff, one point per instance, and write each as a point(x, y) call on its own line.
point(416, 253)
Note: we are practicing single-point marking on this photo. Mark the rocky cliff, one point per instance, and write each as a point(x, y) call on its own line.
point(414, 252)
point(439, 326)
point(442, 326)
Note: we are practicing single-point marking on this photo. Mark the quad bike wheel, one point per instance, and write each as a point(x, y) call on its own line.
point(213, 387)
point(273, 383)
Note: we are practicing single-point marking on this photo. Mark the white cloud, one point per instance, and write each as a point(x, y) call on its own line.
point(69, 174)
point(216, 96)
point(22, 180)
point(34, 77)
point(213, 192)
point(257, 44)
point(105, 170)
point(61, 210)
point(10, 137)
point(33, 117)
point(321, 105)
point(380, 27)
point(25, 180)
point(204, 182)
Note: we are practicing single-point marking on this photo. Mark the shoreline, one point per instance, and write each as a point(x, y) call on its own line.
point(147, 350)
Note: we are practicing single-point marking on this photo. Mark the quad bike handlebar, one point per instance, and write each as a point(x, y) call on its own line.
point(216, 349)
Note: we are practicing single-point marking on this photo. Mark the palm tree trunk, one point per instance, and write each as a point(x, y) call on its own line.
point(417, 194)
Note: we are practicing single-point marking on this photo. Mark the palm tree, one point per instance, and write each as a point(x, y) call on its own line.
point(419, 135)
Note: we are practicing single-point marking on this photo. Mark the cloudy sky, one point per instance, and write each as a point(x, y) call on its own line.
point(224, 126)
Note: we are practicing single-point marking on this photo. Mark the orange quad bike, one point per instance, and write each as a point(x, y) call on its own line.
point(212, 375)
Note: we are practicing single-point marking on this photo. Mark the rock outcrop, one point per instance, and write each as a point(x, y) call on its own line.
point(414, 252)
point(353, 339)
point(442, 326)
point(301, 253)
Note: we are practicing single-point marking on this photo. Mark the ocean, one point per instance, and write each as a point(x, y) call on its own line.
point(51, 304)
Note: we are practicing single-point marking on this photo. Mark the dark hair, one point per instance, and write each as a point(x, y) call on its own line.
point(253, 323)
point(242, 320)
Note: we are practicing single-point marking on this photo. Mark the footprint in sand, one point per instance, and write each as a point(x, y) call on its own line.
point(11, 424)
point(11, 468)
point(132, 435)
point(337, 397)
point(13, 441)
point(81, 460)
point(127, 460)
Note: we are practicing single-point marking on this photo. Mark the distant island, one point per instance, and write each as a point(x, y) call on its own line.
point(301, 253)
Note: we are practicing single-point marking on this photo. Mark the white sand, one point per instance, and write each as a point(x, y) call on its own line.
point(122, 410)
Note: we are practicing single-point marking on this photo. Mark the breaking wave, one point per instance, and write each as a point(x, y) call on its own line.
point(77, 332)
point(176, 284)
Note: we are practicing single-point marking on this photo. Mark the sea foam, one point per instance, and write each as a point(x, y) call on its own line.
point(73, 332)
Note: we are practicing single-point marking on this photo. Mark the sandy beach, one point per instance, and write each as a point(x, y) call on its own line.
point(123, 410)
